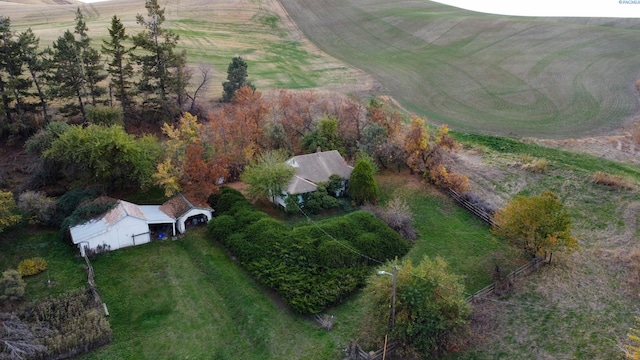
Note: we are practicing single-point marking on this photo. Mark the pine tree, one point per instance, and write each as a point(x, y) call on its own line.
point(119, 68)
point(34, 59)
point(14, 88)
point(236, 79)
point(66, 77)
point(363, 187)
point(90, 62)
point(164, 71)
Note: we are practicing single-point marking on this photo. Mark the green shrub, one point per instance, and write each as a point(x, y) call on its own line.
point(227, 198)
point(70, 201)
point(246, 216)
point(319, 200)
point(220, 227)
point(12, 286)
point(311, 266)
point(105, 115)
point(265, 231)
point(38, 206)
point(32, 266)
point(332, 254)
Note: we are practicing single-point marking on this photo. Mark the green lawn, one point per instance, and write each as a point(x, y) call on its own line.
point(451, 232)
point(187, 299)
point(66, 270)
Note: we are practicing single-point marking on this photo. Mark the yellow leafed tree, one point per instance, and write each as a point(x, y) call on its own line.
point(8, 216)
point(539, 224)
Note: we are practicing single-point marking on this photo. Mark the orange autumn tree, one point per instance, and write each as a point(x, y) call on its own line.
point(202, 173)
point(381, 114)
point(425, 153)
point(187, 167)
point(295, 114)
point(237, 130)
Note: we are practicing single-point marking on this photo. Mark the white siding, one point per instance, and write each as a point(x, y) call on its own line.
point(180, 226)
point(120, 235)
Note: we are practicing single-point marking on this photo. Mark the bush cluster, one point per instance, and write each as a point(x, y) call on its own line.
point(38, 206)
point(398, 216)
point(12, 286)
point(311, 266)
point(32, 266)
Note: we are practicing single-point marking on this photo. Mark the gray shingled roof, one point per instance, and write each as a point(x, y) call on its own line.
point(315, 168)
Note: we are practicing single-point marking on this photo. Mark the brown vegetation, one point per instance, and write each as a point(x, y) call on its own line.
point(613, 181)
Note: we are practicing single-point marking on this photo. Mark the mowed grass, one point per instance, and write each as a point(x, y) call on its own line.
point(211, 33)
point(188, 299)
point(449, 231)
point(478, 72)
point(65, 272)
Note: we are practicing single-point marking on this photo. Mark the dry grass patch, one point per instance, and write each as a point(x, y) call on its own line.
point(536, 166)
point(613, 181)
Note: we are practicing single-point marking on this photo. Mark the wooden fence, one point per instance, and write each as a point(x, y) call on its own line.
point(477, 211)
point(92, 285)
point(355, 352)
point(507, 281)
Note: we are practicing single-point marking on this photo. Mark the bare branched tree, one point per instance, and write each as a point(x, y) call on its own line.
point(205, 78)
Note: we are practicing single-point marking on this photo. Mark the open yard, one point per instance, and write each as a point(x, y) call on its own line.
point(582, 305)
point(188, 298)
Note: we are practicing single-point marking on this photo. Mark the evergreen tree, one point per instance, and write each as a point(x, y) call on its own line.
point(362, 185)
point(34, 59)
point(163, 70)
point(236, 78)
point(66, 77)
point(325, 137)
point(90, 62)
point(119, 68)
point(14, 88)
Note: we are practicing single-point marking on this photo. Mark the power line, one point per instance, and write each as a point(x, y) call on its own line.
point(503, 302)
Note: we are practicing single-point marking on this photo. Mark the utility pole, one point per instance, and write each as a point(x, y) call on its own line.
point(393, 293)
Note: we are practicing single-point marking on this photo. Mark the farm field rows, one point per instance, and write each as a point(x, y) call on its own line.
point(212, 33)
point(540, 77)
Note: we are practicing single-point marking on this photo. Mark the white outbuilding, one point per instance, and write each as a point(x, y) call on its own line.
point(128, 224)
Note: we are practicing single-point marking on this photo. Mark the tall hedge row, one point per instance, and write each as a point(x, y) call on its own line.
point(311, 266)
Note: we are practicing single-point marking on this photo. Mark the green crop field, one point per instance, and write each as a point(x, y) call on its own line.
point(542, 77)
point(505, 75)
point(212, 33)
